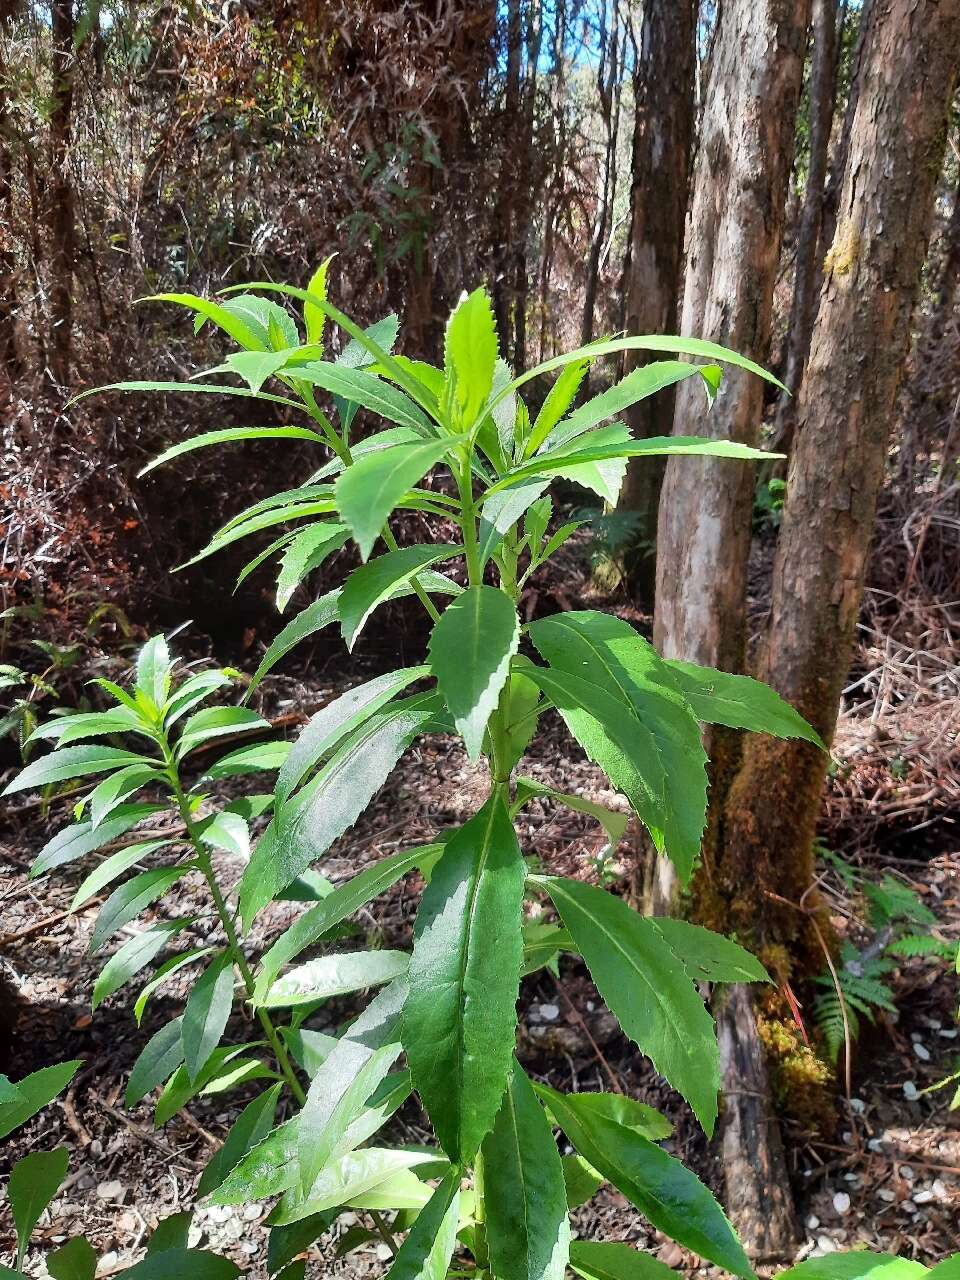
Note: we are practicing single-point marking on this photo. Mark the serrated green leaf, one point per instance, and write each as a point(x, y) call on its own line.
point(370, 392)
point(345, 1180)
point(216, 722)
point(193, 690)
point(503, 511)
point(851, 1266)
point(75, 1260)
point(154, 668)
point(367, 492)
point(470, 651)
point(135, 954)
point(426, 1252)
point(460, 1018)
point(672, 1198)
point(170, 1232)
point(250, 1128)
point(558, 400)
point(528, 1233)
point(642, 983)
point(604, 477)
point(470, 353)
point(207, 1012)
point(306, 552)
point(126, 903)
point(655, 447)
point(646, 1121)
point(225, 1069)
point(708, 956)
point(34, 1092)
point(259, 757)
point(581, 1181)
point(165, 971)
point(72, 728)
point(342, 902)
point(71, 762)
point(111, 868)
point(208, 439)
point(335, 975)
point(109, 794)
point(353, 1069)
point(333, 800)
point(603, 1260)
point(224, 317)
point(34, 1181)
point(717, 697)
point(333, 722)
point(158, 1060)
point(314, 618)
point(375, 582)
point(81, 838)
point(609, 654)
point(613, 821)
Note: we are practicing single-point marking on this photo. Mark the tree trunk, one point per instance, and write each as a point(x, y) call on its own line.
point(821, 97)
point(663, 91)
point(950, 272)
point(8, 301)
point(504, 208)
point(62, 221)
point(847, 406)
point(743, 166)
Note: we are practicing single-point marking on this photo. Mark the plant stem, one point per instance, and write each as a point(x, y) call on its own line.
point(421, 595)
point(383, 1231)
point(205, 865)
point(468, 523)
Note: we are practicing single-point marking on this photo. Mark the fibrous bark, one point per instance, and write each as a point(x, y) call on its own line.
point(663, 93)
point(734, 239)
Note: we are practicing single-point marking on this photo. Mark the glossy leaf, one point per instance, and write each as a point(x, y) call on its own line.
point(207, 1012)
point(368, 491)
point(313, 619)
point(672, 1198)
point(335, 975)
point(250, 1128)
point(112, 868)
point(71, 762)
point(340, 1088)
point(528, 1233)
point(337, 906)
point(366, 389)
point(504, 509)
point(857, 1264)
point(639, 978)
point(426, 1252)
point(170, 1232)
point(581, 1181)
point(109, 794)
point(717, 697)
point(613, 821)
point(165, 971)
point(198, 1264)
point(626, 1111)
point(376, 582)
point(154, 670)
point(343, 1180)
point(73, 728)
point(470, 651)
point(709, 956)
point(460, 1018)
point(216, 722)
point(258, 758)
point(558, 400)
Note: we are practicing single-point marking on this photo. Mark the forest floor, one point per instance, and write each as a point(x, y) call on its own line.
point(887, 1175)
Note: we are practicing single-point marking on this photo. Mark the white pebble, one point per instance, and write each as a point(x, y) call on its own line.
point(110, 1190)
point(921, 1050)
point(875, 1144)
point(826, 1245)
point(940, 1189)
point(813, 1222)
point(907, 1172)
point(549, 1012)
point(858, 1106)
point(887, 1196)
point(251, 1212)
point(949, 1033)
point(910, 1091)
point(922, 1197)
point(108, 1262)
point(383, 1253)
point(841, 1202)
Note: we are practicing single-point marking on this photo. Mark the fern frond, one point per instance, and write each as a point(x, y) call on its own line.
point(913, 945)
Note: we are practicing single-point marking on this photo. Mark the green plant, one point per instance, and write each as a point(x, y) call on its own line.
point(768, 503)
point(495, 1189)
point(858, 987)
